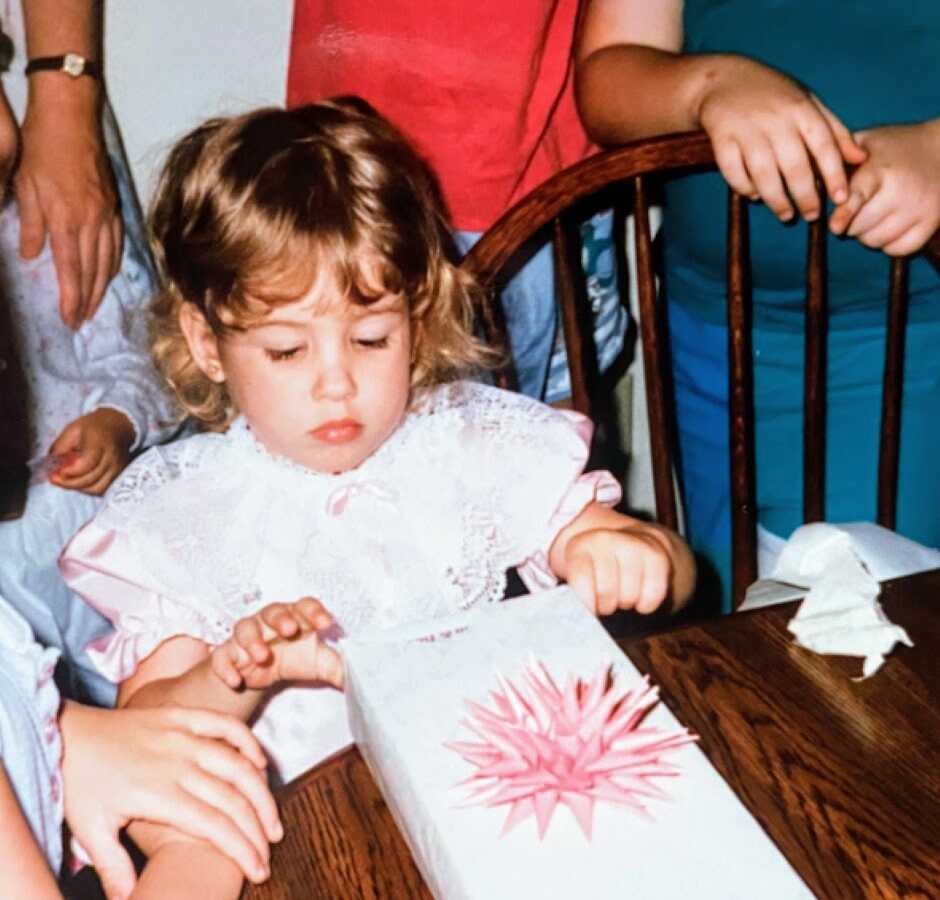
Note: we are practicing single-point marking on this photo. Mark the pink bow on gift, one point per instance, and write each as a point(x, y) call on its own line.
point(542, 746)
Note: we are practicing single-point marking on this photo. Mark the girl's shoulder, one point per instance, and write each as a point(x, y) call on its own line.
point(166, 468)
point(497, 417)
point(474, 401)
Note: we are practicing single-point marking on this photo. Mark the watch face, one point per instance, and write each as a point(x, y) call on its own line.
point(73, 64)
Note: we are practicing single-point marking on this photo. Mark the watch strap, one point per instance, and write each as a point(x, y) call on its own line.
point(72, 64)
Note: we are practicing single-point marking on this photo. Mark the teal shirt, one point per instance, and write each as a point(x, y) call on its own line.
point(872, 63)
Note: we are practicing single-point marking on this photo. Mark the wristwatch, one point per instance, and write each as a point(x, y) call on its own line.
point(73, 64)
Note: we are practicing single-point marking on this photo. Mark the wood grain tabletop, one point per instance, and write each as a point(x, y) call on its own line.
point(844, 775)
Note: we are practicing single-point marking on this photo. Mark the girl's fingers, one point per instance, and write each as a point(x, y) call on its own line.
point(607, 577)
point(870, 215)
point(910, 241)
point(862, 187)
point(247, 634)
point(314, 613)
point(86, 468)
point(330, 666)
point(655, 584)
point(581, 581)
point(224, 664)
point(887, 230)
point(630, 565)
point(280, 618)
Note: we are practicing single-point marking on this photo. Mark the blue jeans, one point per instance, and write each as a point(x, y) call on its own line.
point(528, 300)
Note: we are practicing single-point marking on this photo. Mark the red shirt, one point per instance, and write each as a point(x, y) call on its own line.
point(483, 88)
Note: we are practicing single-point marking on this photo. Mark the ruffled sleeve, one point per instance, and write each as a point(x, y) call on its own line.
point(150, 559)
point(101, 566)
point(531, 458)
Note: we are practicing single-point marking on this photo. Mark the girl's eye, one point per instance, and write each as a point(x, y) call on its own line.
point(373, 343)
point(281, 355)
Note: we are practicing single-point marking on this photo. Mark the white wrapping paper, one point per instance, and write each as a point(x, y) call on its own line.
point(406, 698)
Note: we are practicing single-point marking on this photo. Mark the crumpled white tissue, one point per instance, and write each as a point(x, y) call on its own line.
point(842, 565)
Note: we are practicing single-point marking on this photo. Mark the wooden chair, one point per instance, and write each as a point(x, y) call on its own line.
point(638, 165)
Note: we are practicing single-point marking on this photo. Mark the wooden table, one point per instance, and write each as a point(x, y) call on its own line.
point(844, 776)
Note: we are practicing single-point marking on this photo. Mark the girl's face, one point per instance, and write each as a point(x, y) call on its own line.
point(321, 380)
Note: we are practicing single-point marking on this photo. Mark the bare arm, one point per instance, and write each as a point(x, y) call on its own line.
point(26, 872)
point(632, 81)
point(64, 186)
point(179, 672)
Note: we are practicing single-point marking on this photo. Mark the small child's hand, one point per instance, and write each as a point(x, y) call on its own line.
point(894, 199)
point(95, 448)
point(279, 643)
point(619, 568)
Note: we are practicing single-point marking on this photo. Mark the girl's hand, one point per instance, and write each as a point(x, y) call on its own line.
point(198, 772)
point(95, 449)
point(619, 568)
point(279, 643)
point(767, 131)
point(894, 197)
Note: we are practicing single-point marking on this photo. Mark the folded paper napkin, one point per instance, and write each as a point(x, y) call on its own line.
point(842, 565)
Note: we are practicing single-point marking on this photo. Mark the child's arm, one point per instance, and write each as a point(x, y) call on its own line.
point(613, 561)
point(94, 449)
point(278, 643)
point(26, 872)
point(281, 642)
point(894, 197)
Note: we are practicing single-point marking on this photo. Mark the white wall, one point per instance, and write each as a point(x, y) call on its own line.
point(172, 63)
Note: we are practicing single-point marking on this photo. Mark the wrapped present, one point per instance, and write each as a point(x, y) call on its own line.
point(523, 755)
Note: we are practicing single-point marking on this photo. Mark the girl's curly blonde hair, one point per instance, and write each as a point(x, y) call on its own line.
point(250, 208)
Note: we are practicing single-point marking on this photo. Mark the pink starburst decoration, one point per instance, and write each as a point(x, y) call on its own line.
point(540, 746)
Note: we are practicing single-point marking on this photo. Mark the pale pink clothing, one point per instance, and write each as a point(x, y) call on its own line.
point(198, 534)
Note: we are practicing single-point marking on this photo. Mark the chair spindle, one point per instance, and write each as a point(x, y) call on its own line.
point(566, 293)
point(741, 404)
point(891, 396)
point(814, 384)
point(654, 360)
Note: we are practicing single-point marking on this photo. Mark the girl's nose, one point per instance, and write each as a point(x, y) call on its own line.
point(333, 380)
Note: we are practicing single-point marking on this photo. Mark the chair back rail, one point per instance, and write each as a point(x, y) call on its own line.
point(636, 164)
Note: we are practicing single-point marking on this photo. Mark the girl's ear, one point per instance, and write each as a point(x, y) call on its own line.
point(203, 344)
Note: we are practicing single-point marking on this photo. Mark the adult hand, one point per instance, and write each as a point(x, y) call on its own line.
point(894, 196)
point(199, 772)
point(65, 190)
point(768, 131)
point(95, 448)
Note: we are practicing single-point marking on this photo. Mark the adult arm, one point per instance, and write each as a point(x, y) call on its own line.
point(64, 186)
point(26, 872)
point(196, 771)
point(633, 81)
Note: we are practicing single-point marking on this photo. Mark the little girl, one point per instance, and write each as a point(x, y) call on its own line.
point(311, 316)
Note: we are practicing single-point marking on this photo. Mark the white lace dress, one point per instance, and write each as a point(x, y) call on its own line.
point(198, 534)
